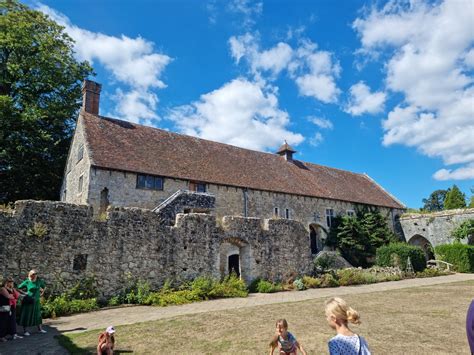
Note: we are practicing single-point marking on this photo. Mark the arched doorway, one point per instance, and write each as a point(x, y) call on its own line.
point(424, 244)
point(234, 264)
point(316, 233)
point(234, 257)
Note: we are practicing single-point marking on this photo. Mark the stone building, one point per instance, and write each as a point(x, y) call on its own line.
point(118, 163)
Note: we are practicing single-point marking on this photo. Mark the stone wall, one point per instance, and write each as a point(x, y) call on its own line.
point(434, 228)
point(75, 168)
point(229, 200)
point(66, 242)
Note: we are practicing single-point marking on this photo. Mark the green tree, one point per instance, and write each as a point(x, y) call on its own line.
point(471, 203)
point(454, 199)
point(435, 202)
point(464, 230)
point(359, 237)
point(40, 92)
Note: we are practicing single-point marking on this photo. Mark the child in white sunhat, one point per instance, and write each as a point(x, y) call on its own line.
point(106, 342)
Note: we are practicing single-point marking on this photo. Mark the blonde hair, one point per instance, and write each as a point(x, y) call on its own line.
point(284, 324)
point(338, 307)
point(33, 271)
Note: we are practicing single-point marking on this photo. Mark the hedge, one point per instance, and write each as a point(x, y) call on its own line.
point(460, 255)
point(396, 254)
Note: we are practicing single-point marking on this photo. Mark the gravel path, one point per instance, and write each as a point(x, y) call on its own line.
point(46, 344)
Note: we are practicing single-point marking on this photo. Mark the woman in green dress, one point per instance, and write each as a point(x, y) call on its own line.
point(31, 312)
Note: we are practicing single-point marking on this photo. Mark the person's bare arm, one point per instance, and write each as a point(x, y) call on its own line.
point(5, 293)
point(299, 346)
point(272, 349)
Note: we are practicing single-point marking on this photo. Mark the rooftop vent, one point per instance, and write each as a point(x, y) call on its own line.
point(286, 151)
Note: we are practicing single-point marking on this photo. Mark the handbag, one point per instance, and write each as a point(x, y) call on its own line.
point(5, 309)
point(27, 299)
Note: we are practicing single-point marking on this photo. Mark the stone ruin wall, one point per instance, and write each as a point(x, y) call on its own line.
point(434, 227)
point(131, 242)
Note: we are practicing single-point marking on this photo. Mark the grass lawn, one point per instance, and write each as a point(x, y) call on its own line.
point(422, 320)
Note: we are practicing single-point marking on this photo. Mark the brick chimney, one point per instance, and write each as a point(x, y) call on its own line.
point(91, 96)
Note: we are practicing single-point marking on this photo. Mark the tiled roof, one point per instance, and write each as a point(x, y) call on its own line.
point(121, 145)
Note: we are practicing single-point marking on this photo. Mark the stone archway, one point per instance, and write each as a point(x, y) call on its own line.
point(234, 256)
point(317, 234)
point(424, 244)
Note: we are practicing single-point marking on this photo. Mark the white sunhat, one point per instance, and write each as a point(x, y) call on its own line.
point(110, 329)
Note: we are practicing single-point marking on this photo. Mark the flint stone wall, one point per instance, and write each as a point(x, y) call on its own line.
point(65, 242)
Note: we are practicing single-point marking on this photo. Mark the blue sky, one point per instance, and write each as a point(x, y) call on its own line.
point(384, 88)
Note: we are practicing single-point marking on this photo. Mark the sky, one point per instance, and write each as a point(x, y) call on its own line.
point(382, 88)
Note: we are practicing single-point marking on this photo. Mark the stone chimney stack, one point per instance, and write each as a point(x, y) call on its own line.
point(91, 96)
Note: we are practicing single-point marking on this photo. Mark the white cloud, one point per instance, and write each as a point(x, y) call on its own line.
point(429, 49)
point(313, 71)
point(250, 10)
point(463, 173)
point(273, 60)
point(316, 140)
point(131, 61)
point(240, 113)
point(363, 101)
point(321, 122)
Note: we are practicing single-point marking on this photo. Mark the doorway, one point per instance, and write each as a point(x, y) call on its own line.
point(234, 264)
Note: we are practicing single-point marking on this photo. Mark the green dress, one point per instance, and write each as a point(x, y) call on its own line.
point(31, 313)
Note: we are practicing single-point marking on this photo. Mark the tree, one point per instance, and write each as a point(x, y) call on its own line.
point(471, 203)
point(464, 230)
point(359, 237)
point(454, 199)
point(435, 202)
point(40, 92)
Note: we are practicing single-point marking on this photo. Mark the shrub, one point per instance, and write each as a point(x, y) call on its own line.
point(172, 298)
point(431, 273)
point(299, 284)
point(464, 231)
point(328, 280)
point(352, 276)
point(264, 286)
point(114, 301)
point(85, 288)
point(460, 255)
point(324, 263)
point(202, 286)
point(311, 282)
point(390, 255)
point(62, 306)
point(231, 286)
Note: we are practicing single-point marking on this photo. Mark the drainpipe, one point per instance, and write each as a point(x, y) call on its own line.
point(245, 202)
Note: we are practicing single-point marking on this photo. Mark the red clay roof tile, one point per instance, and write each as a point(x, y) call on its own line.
point(125, 146)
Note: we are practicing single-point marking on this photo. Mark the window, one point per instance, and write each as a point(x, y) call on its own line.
point(149, 182)
point(276, 212)
point(287, 213)
point(329, 216)
point(350, 213)
point(80, 153)
point(81, 179)
point(197, 186)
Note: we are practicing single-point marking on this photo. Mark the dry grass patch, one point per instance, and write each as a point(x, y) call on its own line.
point(422, 320)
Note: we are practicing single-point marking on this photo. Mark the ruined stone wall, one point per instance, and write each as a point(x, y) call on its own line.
point(436, 227)
point(66, 242)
